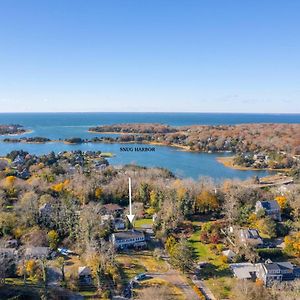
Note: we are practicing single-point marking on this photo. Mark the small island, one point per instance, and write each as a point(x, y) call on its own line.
point(12, 129)
point(29, 140)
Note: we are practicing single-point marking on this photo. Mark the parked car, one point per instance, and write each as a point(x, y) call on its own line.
point(140, 277)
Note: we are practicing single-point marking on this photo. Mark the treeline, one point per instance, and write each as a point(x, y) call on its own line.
point(27, 140)
point(155, 192)
point(134, 128)
point(235, 138)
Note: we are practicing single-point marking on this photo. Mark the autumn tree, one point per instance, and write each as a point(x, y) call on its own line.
point(27, 209)
point(61, 264)
point(182, 256)
point(207, 201)
point(53, 239)
point(292, 244)
point(100, 258)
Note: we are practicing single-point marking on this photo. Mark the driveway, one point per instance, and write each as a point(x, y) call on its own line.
point(204, 289)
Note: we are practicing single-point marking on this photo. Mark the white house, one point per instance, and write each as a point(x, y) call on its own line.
point(128, 239)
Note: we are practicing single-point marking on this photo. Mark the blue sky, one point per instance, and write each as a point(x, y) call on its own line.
point(199, 56)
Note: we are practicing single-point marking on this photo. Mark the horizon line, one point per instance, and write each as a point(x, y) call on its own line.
point(149, 112)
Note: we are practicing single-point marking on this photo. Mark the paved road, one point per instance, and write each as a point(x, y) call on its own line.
point(204, 289)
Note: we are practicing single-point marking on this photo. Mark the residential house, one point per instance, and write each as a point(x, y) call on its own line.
point(119, 224)
point(18, 161)
point(111, 209)
point(250, 237)
point(9, 253)
point(84, 275)
point(11, 243)
point(24, 174)
point(270, 272)
point(229, 254)
point(244, 270)
point(128, 239)
point(260, 157)
point(271, 209)
point(37, 252)
point(45, 210)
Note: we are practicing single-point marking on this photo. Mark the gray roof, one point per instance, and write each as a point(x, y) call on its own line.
point(7, 251)
point(130, 234)
point(243, 270)
point(270, 205)
point(270, 266)
point(37, 252)
point(84, 271)
point(228, 253)
point(251, 233)
point(111, 207)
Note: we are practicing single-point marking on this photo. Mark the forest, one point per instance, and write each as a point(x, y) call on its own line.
point(236, 138)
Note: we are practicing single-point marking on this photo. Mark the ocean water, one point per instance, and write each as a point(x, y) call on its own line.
point(184, 164)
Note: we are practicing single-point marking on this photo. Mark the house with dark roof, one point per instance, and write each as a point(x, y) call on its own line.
point(271, 209)
point(250, 237)
point(270, 272)
point(84, 275)
point(119, 224)
point(45, 211)
point(129, 239)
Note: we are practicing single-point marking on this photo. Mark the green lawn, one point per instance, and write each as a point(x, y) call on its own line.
point(201, 250)
point(216, 273)
point(142, 223)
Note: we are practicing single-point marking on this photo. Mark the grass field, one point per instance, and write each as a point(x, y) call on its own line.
point(142, 223)
point(170, 291)
point(221, 287)
point(134, 263)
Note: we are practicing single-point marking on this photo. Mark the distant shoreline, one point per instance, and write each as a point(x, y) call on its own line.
point(228, 162)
